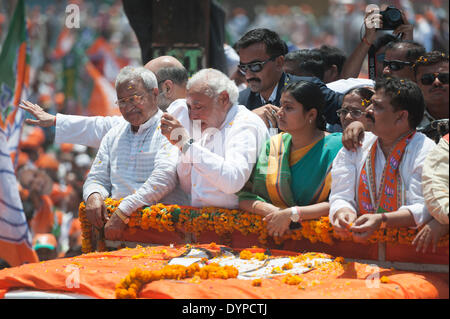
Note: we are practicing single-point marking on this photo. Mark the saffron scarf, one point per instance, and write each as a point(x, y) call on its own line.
point(286, 178)
point(389, 196)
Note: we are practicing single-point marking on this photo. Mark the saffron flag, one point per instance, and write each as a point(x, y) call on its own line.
point(102, 55)
point(102, 96)
point(64, 44)
point(15, 237)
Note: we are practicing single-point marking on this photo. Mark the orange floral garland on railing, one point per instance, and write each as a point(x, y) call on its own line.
point(129, 287)
point(223, 221)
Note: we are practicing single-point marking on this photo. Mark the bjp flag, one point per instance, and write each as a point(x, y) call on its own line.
point(15, 237)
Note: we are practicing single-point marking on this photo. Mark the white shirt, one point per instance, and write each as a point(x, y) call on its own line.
point(137, 166)
point(218, 165)
point(347, 167)
point(345, 85)
point(272, 96)
point(89, 130)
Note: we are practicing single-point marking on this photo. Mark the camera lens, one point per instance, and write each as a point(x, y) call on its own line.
point(394, 15)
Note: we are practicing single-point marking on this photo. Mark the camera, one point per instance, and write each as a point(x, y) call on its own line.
point(392, 18)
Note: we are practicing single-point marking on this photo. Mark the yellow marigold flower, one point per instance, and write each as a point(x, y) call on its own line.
point(384, 279)
point(277, 270)
point(260, 256)
point(287, 266)
point(292, 279)
point(245, 254)
point(339, 259)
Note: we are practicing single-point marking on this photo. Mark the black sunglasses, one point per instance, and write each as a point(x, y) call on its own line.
point(395, 65)
point(255, 67)
point(429, 78)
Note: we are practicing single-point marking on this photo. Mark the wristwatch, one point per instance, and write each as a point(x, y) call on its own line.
point(187, 145)
point(122, 216)
point(383, 221)
point(295, 215)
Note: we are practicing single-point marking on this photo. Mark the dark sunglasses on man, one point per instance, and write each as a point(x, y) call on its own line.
point(396, 65)
point(429, 78)
point(255, 67)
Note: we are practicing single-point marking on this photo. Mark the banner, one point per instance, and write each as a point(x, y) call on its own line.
point(15, 237)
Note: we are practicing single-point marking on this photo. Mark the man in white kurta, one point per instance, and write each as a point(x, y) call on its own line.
point(219, 150)
point(135, 161)
point(397, 108)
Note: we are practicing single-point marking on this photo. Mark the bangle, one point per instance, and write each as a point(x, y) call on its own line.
point(54, 121)
point(366, 41)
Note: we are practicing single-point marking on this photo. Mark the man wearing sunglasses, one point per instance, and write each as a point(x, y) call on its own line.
point(399, 58)
point(432, 76)
point(261, 53)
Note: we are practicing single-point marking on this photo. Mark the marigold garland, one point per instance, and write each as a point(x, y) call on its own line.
point(225, 221)
point(130, 286)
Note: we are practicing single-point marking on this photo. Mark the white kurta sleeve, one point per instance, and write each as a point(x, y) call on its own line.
point(435, 182)
point(413, 184)
point(343, 182)
point(99, 179)
point(229, 172)
point(84, 130)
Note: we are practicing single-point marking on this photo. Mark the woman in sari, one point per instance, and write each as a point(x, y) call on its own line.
point(291, 180)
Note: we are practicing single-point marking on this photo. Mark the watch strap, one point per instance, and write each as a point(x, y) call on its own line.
point(122, 216)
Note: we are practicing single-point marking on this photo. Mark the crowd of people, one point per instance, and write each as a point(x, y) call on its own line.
point(289, 134)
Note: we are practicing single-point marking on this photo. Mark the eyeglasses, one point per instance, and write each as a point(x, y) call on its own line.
point(395, 65)
point(355, 113)
point(133, 100)
point(429, 78)
point(255, 67)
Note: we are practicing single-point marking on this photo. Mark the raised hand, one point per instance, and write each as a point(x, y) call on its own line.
point(43, 119)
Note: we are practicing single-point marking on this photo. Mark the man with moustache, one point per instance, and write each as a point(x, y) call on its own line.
point(261, 53)
point(432, 76)
point(135, 161)
point(172, 78)
point(368, 184)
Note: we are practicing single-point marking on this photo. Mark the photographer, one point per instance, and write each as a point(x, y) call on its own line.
point(373, 21)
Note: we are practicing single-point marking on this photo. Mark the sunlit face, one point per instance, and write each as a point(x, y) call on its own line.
point(382, 115)
point(202, 107)
point(437, 92)
point(399, 54)
point(292, 116)
point(136, 104)
point(269, 76)
point(353, 109)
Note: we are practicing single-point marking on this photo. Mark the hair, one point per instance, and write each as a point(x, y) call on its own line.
point(177, 75)
point(129, 73)
point(307, 62)
point(383, 40)
point(332, 56)
point(217, 82)
point(363, 92)
point(274, 45)
point(405, 95)
point(430, 58)
point(4, 264)
point(415, 50)
point(311, 97)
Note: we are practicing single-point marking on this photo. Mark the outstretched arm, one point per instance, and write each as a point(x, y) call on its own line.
point(74, 129)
